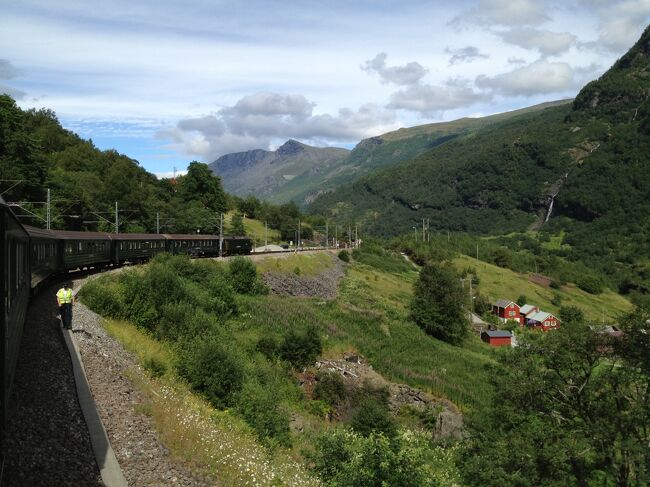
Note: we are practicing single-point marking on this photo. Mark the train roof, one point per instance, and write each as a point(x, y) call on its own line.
point(39, 232)
point(190, 236)
point(136, 236)
point(75, 235)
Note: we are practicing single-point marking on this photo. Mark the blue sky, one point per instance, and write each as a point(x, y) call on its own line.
point(167, 82)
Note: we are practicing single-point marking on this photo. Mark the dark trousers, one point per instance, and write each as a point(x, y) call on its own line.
point(66, 315)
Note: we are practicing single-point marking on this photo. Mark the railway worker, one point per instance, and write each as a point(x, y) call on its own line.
point(65, 299)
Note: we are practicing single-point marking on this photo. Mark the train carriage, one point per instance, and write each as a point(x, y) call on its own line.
point(81, 250)
point(237, 245)
point(14, 296)
point(136, 247)
point(195, 245)
point(45, 254)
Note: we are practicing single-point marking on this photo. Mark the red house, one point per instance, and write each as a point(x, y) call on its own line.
point(497, 338)
point(507, 310)
point(543, 320)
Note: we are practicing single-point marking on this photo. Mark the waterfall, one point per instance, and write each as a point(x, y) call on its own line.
point(550, 208)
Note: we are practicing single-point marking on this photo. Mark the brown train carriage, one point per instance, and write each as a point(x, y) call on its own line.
point(81, 250)
point(45, 249)
point(196, 245)
point(136, 247)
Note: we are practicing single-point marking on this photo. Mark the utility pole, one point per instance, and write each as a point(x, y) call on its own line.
point(298, 238)
point(266, 236)
point(327, 240)
point(48, 220)
point(157, 222)
point(356, 236)
point(117, 221)
point(423, 230)
point(349, 235)
point(220, 234)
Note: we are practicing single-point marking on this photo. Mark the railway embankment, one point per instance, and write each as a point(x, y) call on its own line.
point(111, 372)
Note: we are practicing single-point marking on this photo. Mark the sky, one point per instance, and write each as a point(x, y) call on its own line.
point(167, 82)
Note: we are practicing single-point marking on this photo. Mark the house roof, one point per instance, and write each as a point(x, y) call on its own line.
point(498, 333)
point(527, 308)
point(541, 316)
point(504, 303)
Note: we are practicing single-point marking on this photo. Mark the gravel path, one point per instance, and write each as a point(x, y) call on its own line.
point(142, 457)
point(47, 437)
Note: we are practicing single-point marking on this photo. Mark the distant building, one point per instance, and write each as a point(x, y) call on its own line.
point(507, 310)
point(545, 321)
point(497, 338)
point(526, 311)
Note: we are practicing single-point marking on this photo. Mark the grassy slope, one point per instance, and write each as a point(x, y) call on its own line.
point(371, 317)
point(254, 228)
point(499, 283)
point(217, 443)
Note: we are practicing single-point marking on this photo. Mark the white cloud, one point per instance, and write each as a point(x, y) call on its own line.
point(465, 55)
point(408, 74)
point(433, 100)
point(546, 42)
point(540, 77)
point(505, 12)
point(258, 121)
point(621, 22)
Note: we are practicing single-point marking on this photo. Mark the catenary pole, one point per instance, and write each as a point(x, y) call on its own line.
point(49, 220)
point(117, 221)
point(220, 234)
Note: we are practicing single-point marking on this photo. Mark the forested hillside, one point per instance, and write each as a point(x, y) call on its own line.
point(588, 164)
point(36, 153)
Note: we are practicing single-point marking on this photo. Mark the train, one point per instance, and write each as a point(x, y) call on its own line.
point(32, 256)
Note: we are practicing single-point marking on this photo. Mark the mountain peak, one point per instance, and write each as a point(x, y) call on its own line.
point(290, 147)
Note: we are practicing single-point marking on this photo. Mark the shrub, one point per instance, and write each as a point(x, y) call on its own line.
point(344, 255)
point(154, 366)
point(243, 275)
point(104, 297)
point(260, 408)
point(373, 417)
point(165, 286)
point(590, 284)
point(344, 458)
point(301, 349)
point(268, 346)
point(522, 299)
point(211, 369)
point(329, 387)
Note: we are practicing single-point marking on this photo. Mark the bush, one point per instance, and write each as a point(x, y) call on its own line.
point(590, 284)
point(260, 408)
point(344, 458)
point(211, 369)
point(344, 255)
point(329, 387)
point(154, 366)
point(104, 297)
point(522, 299)
point(268, 346)
point(243, 275)
point(374, 417)
point(302, 349)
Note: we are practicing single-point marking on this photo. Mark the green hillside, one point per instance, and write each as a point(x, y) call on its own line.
point(588, 162)
point(387, 150)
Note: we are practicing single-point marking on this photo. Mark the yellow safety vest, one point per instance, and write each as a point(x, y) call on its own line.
point(64, 296)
